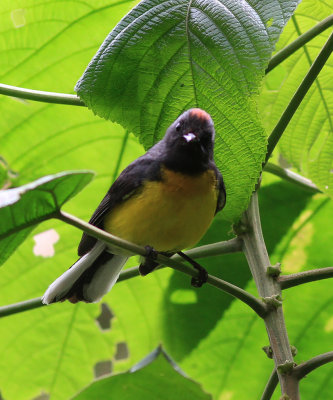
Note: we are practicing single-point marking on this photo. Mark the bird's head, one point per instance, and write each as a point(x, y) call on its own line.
point(189, 141)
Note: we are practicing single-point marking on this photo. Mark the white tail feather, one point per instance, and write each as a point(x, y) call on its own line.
point(105, 278)
point(102, 281)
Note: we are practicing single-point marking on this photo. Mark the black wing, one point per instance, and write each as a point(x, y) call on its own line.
point(221, 199)
point(127, 184)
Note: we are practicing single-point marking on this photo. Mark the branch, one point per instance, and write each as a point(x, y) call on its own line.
point(288, 281)
point(292, 177)
point(308, 366)
point(299, 42)
point(270, 386)
point(230, 246)
point(302, 90)
point(257, 257)
point(130, 249)
point(39, 95)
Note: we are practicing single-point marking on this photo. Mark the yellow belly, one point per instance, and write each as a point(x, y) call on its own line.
point(169, 215)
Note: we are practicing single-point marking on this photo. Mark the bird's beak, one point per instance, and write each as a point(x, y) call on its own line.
point(190, 137)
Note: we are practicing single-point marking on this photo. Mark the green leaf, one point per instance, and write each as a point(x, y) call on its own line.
point(167, 56)
point(28, 205)
point(307, 143)
point(157, 378)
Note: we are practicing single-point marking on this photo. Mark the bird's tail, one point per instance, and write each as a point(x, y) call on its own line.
point(89, 279)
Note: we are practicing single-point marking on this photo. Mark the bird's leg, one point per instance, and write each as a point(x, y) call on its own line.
point(149, 263)
point(196, 281)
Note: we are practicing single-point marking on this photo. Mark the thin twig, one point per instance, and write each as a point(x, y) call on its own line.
point(20, 307)
point(39, 95)
point(299, 42)
point(270, 386)
point(292, 177)
point(302, 90)
point(288, 281)
point(308, 366)
point(209, 250)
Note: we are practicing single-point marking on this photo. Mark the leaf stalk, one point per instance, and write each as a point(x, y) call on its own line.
point(40, 95)
point(308, 366)
point(288, 281)
point(287, 51)
point(292, 177)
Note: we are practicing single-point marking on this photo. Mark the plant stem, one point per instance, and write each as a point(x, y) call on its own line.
point(270, 386)
point(196, 253)
point(308, 366)
point(299, 42)
point(39, 95)
point(302, 90)
point(288, 281)
point(292, 177)
point(20, 307)
point(130, 249)
point(257, 257)
point(230, 246)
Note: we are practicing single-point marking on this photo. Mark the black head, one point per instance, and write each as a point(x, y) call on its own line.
point(189, 142)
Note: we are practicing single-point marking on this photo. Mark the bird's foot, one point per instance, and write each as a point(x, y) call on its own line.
point(201, 278)
point(149, 263)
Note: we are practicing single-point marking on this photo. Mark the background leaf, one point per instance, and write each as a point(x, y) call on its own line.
point(167, 56)
point(157, 380)
point(307, 143)
point(27, 205)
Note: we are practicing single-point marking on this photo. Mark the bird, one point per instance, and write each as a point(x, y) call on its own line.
point(165, 200)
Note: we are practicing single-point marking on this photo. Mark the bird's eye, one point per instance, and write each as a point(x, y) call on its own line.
point(178, 126)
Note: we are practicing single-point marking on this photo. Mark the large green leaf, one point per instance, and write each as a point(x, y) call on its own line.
point(307, 143)
point(167, 56)
point(28, 205)
point(156, 379)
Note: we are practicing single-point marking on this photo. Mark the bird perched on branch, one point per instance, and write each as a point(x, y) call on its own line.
point(164, 200)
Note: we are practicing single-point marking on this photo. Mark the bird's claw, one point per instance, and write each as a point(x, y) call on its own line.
point(149, 263)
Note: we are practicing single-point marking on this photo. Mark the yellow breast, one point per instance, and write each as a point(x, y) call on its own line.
point(168, 215)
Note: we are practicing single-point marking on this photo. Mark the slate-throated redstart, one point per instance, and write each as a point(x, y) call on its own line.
point(165, 199)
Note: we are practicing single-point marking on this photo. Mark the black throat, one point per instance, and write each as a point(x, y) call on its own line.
point(186, 162)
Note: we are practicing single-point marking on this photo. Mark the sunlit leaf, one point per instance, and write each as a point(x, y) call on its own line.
point(307, 143)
